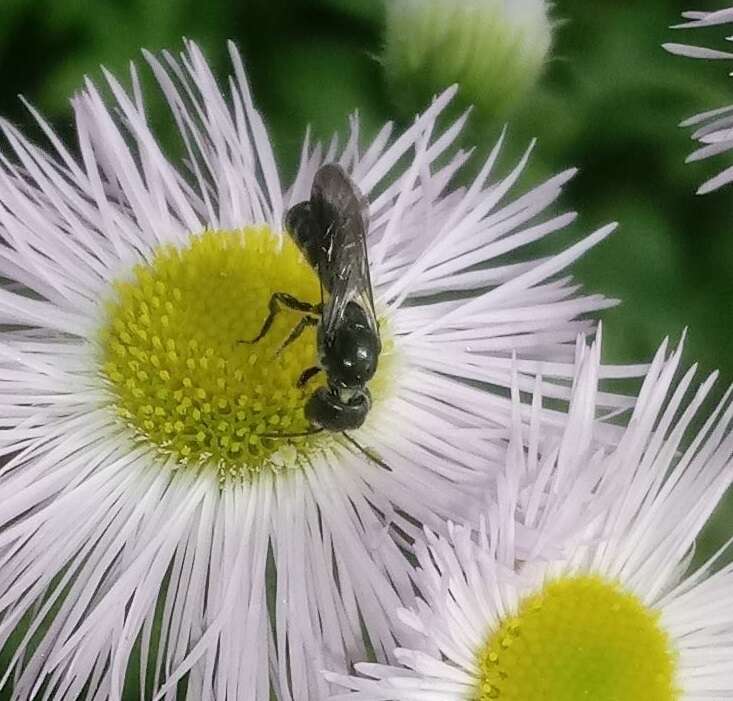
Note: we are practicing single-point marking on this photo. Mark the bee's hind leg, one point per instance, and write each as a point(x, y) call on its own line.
point(277, 301)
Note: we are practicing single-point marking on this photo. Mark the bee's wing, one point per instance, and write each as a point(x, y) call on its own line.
point(344, 268)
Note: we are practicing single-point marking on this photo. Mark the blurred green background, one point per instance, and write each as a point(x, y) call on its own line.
point(608, 102)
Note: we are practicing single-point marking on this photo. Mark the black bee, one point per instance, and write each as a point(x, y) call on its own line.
point(330, 230)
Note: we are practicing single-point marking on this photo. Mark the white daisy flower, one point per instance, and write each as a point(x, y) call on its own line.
point(612, 615)
point(146, 499)
point(713, 129)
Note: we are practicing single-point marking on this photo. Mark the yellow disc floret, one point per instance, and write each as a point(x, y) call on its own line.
point(178, 370)
point(578, 638)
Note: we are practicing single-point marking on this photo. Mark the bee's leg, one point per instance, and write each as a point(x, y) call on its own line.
point(279, 300)
point(301, 326)
point(306, 375)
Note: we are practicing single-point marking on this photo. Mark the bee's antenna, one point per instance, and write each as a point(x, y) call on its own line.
point(292, 435)
point(362, 449)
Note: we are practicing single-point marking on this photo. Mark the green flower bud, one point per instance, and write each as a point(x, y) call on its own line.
point(495, 50)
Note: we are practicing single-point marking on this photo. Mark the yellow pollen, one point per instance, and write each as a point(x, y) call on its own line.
point(179, 374)
point(579, 639)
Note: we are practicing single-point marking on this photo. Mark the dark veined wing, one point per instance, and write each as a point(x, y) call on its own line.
point(342, 213)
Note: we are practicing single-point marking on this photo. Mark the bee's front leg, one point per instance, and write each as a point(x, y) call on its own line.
point(306, 375)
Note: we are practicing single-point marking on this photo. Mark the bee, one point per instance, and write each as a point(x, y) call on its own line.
point(330, 230)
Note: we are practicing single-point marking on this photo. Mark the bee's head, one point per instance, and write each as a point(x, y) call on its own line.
point(328, 410)
point(350, 353)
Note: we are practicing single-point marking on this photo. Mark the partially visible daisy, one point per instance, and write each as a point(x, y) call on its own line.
point(577, 586)
point(146, 499)
point(496, 50)
point(713, 129)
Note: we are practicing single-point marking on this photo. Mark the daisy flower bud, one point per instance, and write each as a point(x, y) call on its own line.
point(577, 584)
point(713, 129)
point(494, 49)
point(156, 374)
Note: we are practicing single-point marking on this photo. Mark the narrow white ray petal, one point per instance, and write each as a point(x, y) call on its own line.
point(697, 51)
point(705, 116)
point(720, 180)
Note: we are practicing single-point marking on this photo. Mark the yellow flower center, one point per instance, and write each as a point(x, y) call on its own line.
point(179, 370)
point(579, 639)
